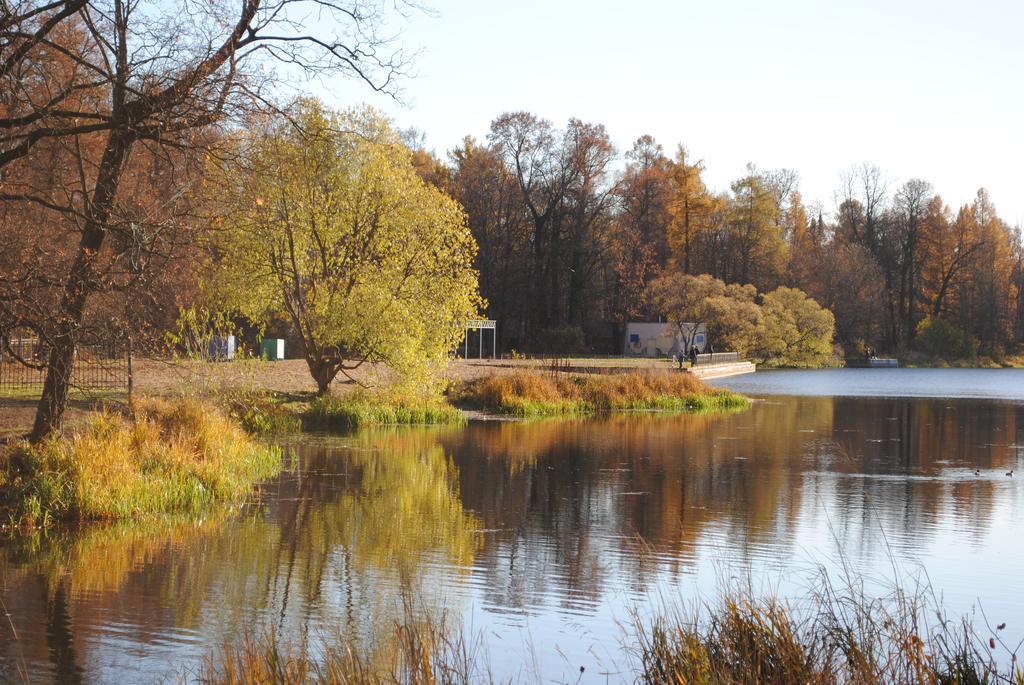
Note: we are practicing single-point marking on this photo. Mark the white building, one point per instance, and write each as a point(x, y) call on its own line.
point(661, 339)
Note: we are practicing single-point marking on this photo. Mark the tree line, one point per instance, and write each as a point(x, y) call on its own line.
point(569, 240)
point(123, 177)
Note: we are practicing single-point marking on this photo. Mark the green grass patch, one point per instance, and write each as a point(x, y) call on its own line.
point(261, 412)
point(175, 457)
point(528, 408)
point(534, 394)
point(359, 409)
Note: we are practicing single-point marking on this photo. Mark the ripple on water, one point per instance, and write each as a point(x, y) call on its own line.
point(544, 537)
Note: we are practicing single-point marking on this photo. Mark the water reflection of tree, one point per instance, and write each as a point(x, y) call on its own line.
point(50, 578)
point(571, 508)
point(342, 544)
point(915, 463)
point(577, 504)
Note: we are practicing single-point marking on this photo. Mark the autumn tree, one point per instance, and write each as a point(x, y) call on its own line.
point(587, 222)
point(867, 219)
point(729, 312)
point(909, 214)
point(565, 188)
point(756, 235)
point(947, 248)
point(806, 241)
point(691, 208)
point(640, 243)
point(712, 250)
point(987, 293)
point(488, 192)
point(850, 284)
point(795, 330)
point(530, 148)
point(327, 222)
point(86, 84)
point(787, 328)
point(863, 200)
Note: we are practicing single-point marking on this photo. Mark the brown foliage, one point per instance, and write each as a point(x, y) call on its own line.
point(101, 115)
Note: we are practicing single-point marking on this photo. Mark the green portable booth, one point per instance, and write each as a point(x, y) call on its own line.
point(272, 349)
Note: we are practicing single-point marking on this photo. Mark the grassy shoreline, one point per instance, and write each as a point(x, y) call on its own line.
point(184, 455)
point(172, 457)
point(359, 409)
point(532, 394)
point(522, 394)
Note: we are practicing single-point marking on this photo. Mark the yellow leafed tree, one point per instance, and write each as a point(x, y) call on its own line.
point(690, 208)
point(326, 223)
point(795, 330)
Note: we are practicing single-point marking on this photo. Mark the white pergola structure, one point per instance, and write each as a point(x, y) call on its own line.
point(480, 325)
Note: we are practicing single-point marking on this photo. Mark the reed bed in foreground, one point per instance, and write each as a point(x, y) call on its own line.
point(358, 409)
point(416, 651)
point(837, 635)
point(529, 394)
point(172, 456)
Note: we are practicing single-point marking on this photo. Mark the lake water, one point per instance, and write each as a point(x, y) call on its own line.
point(1001, 384)
point(543, 537)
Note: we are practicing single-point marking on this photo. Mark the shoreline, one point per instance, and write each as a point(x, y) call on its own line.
point(287, 381)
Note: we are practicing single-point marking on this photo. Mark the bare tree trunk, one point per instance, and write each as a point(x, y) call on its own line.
point(54, 400)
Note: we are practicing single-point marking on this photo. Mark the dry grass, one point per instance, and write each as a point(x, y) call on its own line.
point(173, 457)
point(538, 394)
point(837, 636)
point(416, 652)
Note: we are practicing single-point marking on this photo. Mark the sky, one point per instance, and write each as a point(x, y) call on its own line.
point(931, 90)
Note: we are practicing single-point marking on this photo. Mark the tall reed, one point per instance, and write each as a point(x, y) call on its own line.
point(420, 652)
point(838, 634)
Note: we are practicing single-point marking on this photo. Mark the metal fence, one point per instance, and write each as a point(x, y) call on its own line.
point(717, 358)
point(106, 366)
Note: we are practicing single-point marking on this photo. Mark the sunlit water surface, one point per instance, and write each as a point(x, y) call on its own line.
point(544, 537)
point(1002, 384)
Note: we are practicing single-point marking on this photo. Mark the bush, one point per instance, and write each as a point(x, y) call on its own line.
point(940, 338)
point(175, 457)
